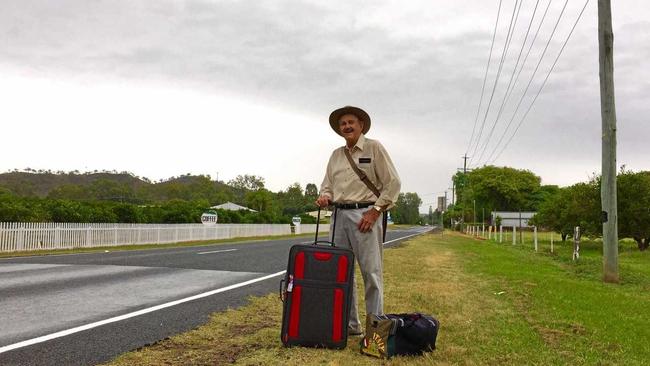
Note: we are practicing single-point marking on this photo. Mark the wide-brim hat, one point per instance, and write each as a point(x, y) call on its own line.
point(360, 113)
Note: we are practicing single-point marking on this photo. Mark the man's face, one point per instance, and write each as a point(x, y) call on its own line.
point(350, 127)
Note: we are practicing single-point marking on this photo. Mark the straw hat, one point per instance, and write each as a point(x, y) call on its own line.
point(360, 113)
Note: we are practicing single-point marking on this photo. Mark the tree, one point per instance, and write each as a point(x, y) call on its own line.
point(260, 200)
point(247, 182)
point(577, 205)
point(461, 182)
point(311, 192)
point(104, 189)
point(292, 200)
point(634, 207)
point(244, 183)
point(406, 210)
point(70, 192)
point(501, 188)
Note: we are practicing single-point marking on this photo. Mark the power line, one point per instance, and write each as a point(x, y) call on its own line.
point(514, 71)
point(484, 79)
point(532, 77)
point(496, 79)
point(545, 79)
point(523, 64)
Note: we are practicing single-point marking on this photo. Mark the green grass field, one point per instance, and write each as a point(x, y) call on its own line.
point(498, 304)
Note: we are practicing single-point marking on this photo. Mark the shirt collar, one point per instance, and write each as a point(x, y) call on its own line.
point(360, 142)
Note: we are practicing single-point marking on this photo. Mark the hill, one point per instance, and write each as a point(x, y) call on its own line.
point(40, 184)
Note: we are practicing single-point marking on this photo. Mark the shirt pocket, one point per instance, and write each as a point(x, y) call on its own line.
point(367, 165)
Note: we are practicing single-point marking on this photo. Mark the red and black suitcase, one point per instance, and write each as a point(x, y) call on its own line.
point(316, 292)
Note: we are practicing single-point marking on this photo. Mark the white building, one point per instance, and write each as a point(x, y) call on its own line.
point(323, 214)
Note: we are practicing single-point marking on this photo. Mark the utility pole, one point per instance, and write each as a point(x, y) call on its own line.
point(465, 157)
point(608, 114)
point(474, 212)
point(453, 191)
point(444, 206)
point(521, 238)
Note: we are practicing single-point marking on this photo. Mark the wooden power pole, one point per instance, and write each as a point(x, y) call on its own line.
point(608, 115)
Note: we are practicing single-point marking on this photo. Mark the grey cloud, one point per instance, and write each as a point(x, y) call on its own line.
point(310, 56)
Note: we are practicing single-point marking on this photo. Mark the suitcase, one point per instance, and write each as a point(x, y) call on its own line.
point(316, 292)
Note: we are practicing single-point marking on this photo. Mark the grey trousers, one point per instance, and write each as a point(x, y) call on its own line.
point(368, 250)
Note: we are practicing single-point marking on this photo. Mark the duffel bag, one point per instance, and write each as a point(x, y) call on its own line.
point(399, 334)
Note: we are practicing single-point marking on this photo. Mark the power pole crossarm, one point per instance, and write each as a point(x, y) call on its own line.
point(608, 115)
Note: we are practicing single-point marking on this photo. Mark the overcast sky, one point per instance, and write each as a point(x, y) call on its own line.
point(163, 88)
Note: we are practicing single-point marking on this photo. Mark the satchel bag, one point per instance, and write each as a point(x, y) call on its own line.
point(399, 334)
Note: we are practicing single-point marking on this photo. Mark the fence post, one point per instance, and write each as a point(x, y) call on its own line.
point(57, 237)
point(551, 242)
point(500, 233)
point(576, 243)
point(514, 235)
point(535, 236)
point(21, 237)
point(88, 237)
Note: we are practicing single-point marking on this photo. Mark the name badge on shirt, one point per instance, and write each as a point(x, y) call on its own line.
point(364, 160)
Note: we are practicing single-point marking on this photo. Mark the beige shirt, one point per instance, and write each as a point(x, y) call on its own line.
point(341, 184)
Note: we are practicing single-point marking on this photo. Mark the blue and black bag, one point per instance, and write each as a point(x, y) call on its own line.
point(399, 334)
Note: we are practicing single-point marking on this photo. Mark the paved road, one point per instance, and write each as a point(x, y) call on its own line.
point(84, 309)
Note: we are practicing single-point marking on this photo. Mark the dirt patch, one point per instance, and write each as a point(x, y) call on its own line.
point(552, 337)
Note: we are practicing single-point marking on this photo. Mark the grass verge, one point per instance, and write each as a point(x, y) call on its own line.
point(497, 304)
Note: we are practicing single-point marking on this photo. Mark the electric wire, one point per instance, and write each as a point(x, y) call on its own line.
point(484, 79)
point(545, 80)
point(496, 79)
point(532, 43)
point(532, 77)
point(510, 84)
point(523, 65)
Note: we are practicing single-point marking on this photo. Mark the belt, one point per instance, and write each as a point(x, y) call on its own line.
point(350, 206)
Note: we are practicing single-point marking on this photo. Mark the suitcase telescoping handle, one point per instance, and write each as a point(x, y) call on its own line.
point(332, 226)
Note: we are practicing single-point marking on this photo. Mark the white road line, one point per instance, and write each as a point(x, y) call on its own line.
point(218, 251)
point(64, 333)
point(404, 237)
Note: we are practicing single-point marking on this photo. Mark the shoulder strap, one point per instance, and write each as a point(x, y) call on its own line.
point(361, 174)
point(368, 183)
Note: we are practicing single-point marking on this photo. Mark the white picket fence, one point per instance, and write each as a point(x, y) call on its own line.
point(39, 236)
point(311, 228)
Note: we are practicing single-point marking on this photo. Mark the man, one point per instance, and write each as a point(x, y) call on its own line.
point(358, 215)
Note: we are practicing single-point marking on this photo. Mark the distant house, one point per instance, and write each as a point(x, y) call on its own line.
point(231, 207)
point(512, 218)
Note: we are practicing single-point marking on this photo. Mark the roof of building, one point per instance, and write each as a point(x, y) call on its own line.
point(231, 207)
point(514, 214)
